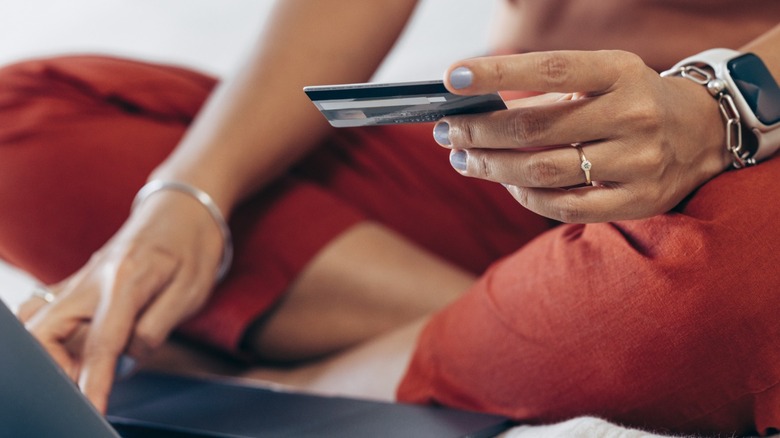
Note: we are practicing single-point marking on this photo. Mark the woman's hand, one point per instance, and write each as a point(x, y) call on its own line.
point(154, 273)
point(650, 140)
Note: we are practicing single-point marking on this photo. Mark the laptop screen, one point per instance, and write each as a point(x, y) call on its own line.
point(37, 399)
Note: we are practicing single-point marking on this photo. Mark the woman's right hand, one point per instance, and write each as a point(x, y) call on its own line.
point(650, 141)
point(154, 273)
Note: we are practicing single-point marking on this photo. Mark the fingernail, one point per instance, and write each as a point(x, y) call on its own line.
point(458, 159)
point(441, 133)
point(461, 77)
point(125, 365)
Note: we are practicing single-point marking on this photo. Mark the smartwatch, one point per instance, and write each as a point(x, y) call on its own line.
point(748, 95)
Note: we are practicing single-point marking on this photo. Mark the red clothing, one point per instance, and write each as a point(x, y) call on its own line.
point(80, 135)
point(668, 323)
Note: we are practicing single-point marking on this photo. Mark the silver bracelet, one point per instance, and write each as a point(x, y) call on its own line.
point(157, 185)
point(728, 110)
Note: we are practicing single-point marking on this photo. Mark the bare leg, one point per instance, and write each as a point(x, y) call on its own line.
point(366, 282)
point(370, 370)
point(358, 307)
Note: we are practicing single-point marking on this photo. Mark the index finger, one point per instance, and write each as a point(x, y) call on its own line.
point(110, 331)
point(105, 342)
point(565, 71)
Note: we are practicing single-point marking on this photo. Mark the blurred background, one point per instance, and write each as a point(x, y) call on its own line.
point(212, 36)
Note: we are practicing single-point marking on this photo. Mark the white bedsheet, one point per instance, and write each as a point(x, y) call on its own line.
point(582, 427)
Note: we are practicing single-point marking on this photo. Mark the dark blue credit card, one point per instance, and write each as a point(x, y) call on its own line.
point(370, 104)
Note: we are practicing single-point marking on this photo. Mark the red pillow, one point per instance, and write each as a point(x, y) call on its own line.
point(669, 323)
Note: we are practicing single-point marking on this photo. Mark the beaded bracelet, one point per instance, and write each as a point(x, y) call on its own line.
point(205, 200)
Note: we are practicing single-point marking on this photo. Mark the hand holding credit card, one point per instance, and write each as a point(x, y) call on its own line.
point(370, 104)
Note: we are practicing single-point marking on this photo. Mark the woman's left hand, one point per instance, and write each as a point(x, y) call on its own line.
point(650, 141)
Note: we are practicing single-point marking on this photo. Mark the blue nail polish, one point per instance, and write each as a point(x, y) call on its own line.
point(125, 365)
point(458, 159)
point(441, 133)
point(461, 77)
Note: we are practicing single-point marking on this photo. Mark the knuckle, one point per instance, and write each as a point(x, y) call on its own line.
point(141, 261)
point(647, 111)
point(463, 133)
point(499, 74)
point(646, 115)
point(540, 171)
point(468, 134)
point(554, 68)
point(126, 267)
point(629, 61)
point(626, 63)
point(521, 195)
point(655, 158)
point(570, 211)
point(145, 341)
point(480, 165)
point(525, 127)
point(628, 67)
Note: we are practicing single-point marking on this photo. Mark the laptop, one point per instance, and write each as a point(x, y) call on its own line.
point(37, 400)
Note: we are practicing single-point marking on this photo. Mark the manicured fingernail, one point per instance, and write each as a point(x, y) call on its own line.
point(441, 133)
point(458, 159)
point(461, 77)
point(125, 365)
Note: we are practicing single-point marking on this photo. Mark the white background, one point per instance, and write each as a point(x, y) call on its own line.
point(212, 36)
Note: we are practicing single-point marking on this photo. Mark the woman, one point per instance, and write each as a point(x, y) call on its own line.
point(527, 338)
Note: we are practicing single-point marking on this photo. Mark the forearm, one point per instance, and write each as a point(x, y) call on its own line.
point(259, 122)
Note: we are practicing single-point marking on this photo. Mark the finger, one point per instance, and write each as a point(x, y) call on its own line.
point(555, 167)
point(54, 321)
point(29, 308)
point(562, 122)
point(536, 99)
point(580, 205)
point(39, 297)
point(54, 338)
point(561, 71)
point(128, 293)
point(181, 299)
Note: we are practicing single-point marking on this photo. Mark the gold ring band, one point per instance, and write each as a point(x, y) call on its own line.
point(585, 164)
point(43, 293)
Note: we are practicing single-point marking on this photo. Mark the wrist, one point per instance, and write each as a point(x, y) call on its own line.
point(222, 195)
point(157, 187)
point(748, 98)
point(703, 115)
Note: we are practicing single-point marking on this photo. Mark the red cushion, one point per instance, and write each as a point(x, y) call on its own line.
point(668, 323)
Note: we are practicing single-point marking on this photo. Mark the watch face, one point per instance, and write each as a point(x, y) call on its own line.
point(757, 86)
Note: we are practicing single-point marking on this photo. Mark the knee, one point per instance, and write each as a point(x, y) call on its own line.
point(25, 79)
point(35, 93)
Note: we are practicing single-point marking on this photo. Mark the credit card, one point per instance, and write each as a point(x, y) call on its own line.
point(352, 105)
